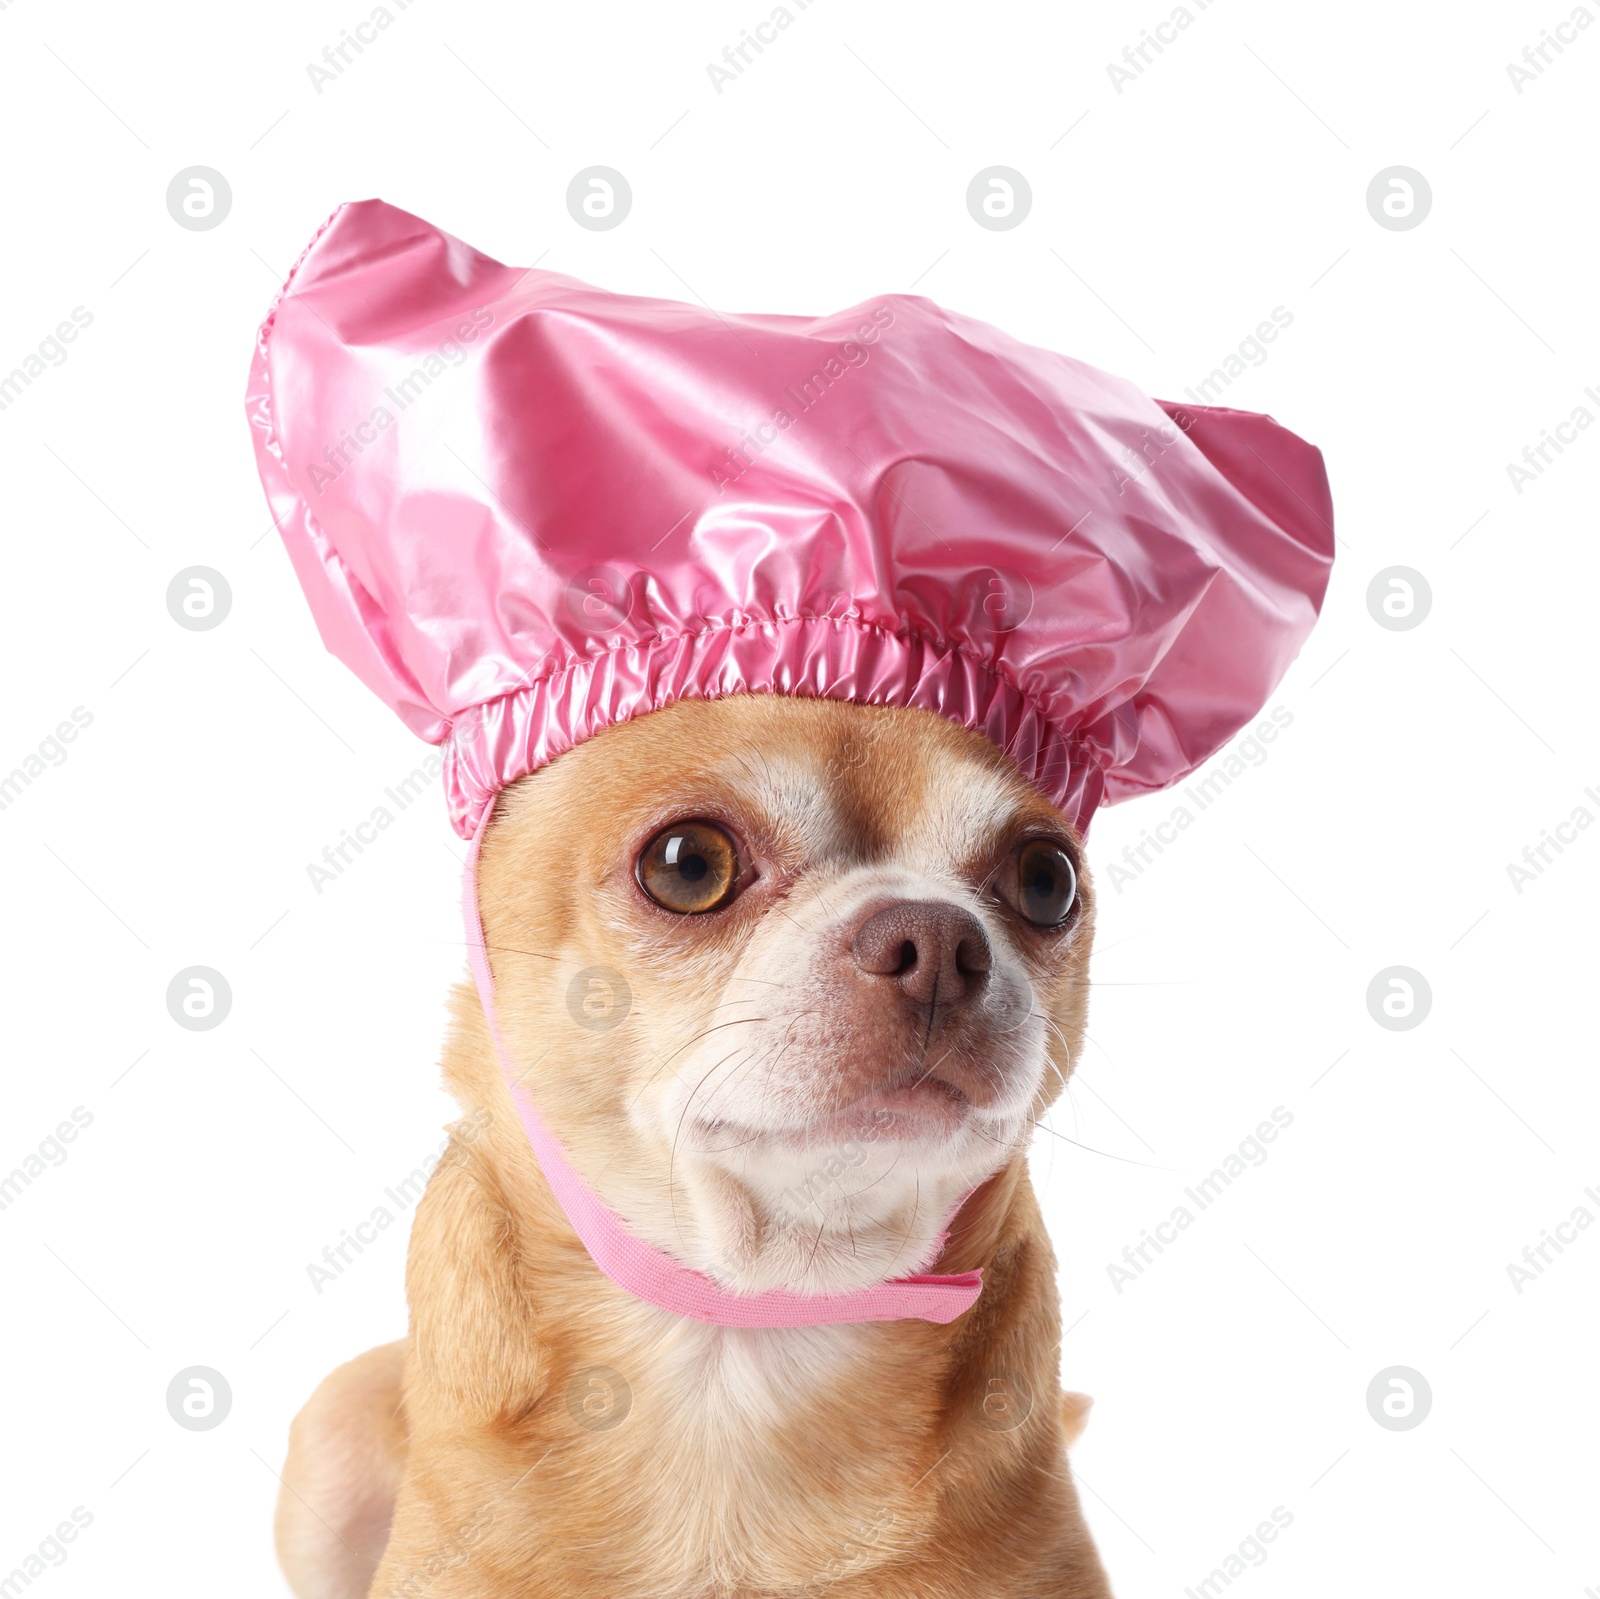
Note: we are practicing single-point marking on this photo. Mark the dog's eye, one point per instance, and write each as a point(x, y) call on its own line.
point(691, 867)
point(1046, 886)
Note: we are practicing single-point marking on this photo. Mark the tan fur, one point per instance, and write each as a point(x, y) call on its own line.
point(561, 1438)
point(346, 1452)
point(1074, 1416)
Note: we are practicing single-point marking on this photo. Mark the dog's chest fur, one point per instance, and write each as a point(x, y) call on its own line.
point(755, 1459)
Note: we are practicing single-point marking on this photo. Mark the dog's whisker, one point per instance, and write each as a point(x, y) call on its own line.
point(1126, 1160)
point(1071, 979)
point(855, 1193)
point(672, 1158)
point(1066, 1049)
point(511, 949)
point(737, 1021)
point(787, 1044)
point(911, 1226)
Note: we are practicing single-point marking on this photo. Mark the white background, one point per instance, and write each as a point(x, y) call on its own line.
point(1167, 221)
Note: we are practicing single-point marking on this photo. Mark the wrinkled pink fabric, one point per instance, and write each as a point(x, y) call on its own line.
point(524, 509)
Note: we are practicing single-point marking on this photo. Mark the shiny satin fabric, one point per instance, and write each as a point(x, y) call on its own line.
point(524, 509)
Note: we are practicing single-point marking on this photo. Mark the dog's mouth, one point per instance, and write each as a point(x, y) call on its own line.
point(916, 1102)
point(914, 1106)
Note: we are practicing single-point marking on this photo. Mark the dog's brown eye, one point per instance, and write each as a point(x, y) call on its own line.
point(690, 868)
point(1046, 886)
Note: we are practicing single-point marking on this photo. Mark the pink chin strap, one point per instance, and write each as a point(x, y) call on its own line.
point(655, 1277)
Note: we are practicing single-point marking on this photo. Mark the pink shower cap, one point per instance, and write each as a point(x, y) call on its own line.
point(524, 509)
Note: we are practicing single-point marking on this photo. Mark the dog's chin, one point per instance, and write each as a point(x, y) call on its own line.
point(852, 1197)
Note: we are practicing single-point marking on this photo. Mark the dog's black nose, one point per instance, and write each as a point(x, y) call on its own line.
point(934, 951)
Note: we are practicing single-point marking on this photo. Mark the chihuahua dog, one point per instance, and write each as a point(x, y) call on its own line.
point(850, 945)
